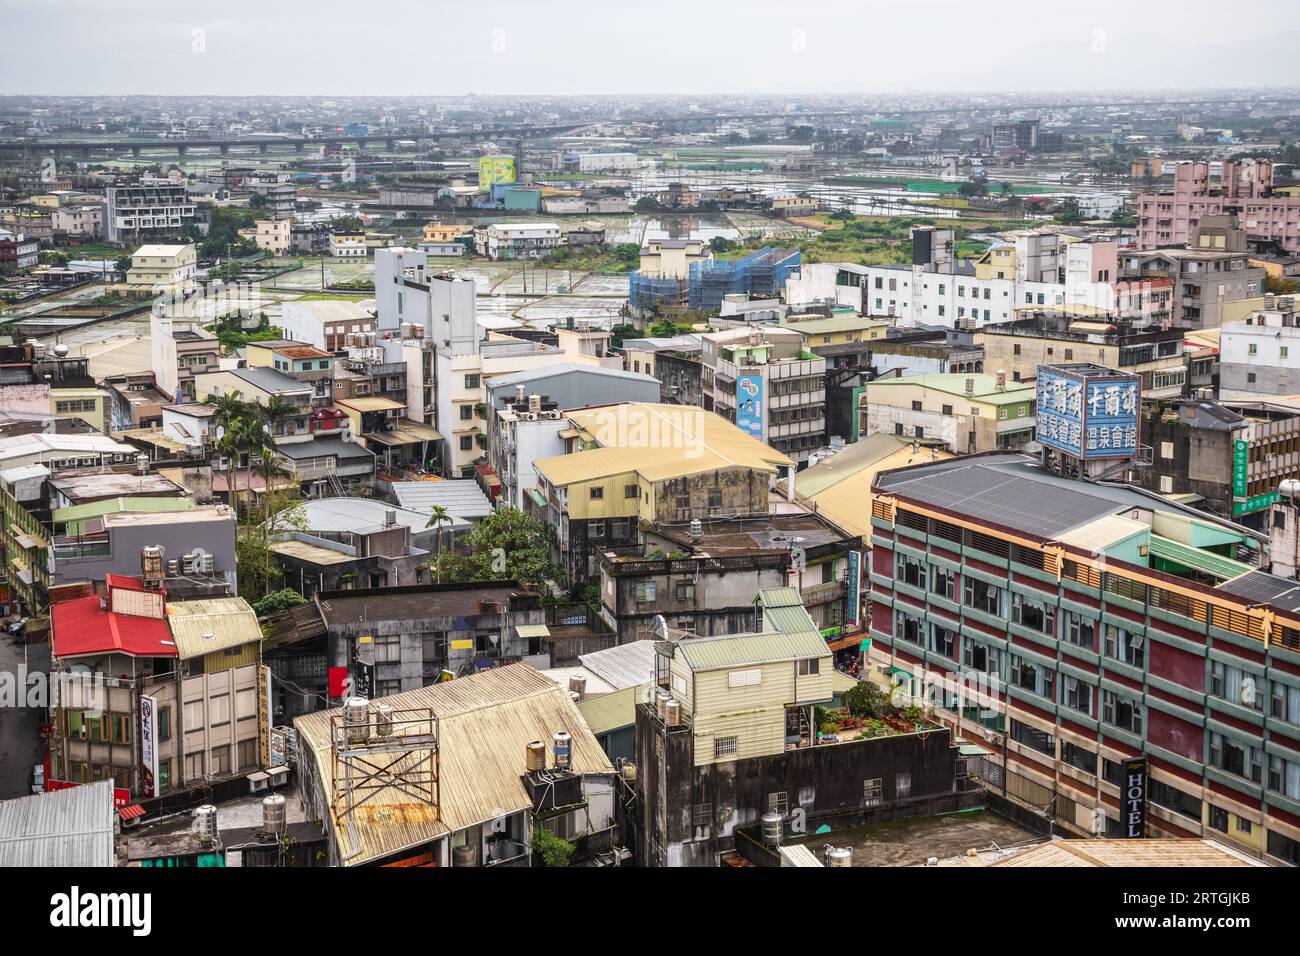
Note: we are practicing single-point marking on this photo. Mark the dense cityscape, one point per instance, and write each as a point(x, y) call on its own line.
point(878, 480)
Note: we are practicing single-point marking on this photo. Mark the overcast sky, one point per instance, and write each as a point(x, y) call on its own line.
point(394, 47)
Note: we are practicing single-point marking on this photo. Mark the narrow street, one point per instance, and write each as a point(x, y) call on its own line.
point(20, 739)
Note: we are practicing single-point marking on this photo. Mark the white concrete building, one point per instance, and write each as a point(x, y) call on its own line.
point(517, 240)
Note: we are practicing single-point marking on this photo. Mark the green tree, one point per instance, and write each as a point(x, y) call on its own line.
point(507, 544)
point(277, 601)
point(553, 850)
point(867, 700)
point(438, 516)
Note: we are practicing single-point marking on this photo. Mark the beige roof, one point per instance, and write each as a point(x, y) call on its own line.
point(330, 310)
point(1130, 853)
point(373, 404)
point(484, 724)
point(658, 442)
point(841, 485)
point(229, 620)
point(1097, 535)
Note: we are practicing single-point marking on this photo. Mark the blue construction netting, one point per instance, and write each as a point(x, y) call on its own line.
point(760, 273)
point(648, 291)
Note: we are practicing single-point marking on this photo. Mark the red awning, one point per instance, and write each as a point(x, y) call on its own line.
point(131, 812)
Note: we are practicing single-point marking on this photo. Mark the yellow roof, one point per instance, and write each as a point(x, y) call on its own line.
point(841, 485)
point(215, 624)
point(370, 404)
point(658, 442)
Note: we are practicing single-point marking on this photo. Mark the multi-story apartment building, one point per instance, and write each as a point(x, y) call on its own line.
point(79, 220)
point(517, 240)
point(764, 381)
point(1244, 189)
point(1204, 281)
point(18, 250)
point(328, 325)
point(525, 415)
point(731, 737)
point(148, 209)
point(631, 463)
point(674, 361)
point(1232, 455)
point(348, 244)
point(1051, 337)
point(968, 413)
point(176, 697)
point(1072, 626)
point(1255, 359)
point(162, 269)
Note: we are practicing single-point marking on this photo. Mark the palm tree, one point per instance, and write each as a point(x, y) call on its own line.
point(228, 419)
point(276, 410)
point(438, 516)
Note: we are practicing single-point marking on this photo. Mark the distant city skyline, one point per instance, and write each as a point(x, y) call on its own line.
point(512, 47)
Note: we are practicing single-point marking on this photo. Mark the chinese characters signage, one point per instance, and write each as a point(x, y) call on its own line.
point(1088, 416)
point(854, 612)
point(749, 404)
point(148, 747)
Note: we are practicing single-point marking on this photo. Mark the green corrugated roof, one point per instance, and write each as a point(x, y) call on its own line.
point(736, 650)
point(954, 383)
point(141, 504)
point(780, 597)
point(610, 711)
point(1186, 555)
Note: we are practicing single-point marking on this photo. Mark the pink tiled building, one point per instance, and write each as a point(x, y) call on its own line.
point(1244, 189)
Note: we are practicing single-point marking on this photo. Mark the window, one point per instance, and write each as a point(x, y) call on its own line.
point(194, 767)
point(245, 703)
point(466, 412)
point(943, 641)
point(193, 715)
point(248, 756)
point(1121, 712)
point(702, 813)
point(943, 582)
point(219, 710)
point(597, 493)
point(1171, 798)
point(1031, 614)
point(1285, 702)
point(645, 592)
point(778, 802)
point(902, 786)
point(909, 570)
point(1233, 756)
point(471, 381)
point(1284, 776)
point(1121, 645)
point(981, 657)
point(629, 491)
point(466, 442)
point(947, 409)
point(1236, 686)
point(982, 596)
point(1076, 695)
point(220, 760)
point(1218, 818)
point(164, 723)
point(810, 667)
point(907, 628)
point(873, 791)
point(746, 678)
point(388, 649)
point(1033, 738)
point(1080, 631)
point(1078, 758)
point(685, 590)
point(916, 406)
point(1033, 677)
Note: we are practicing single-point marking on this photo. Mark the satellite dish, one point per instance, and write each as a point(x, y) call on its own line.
point(659, 628)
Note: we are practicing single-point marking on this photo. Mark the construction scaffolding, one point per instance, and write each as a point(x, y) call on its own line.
point(649, 292)
point(760, 273)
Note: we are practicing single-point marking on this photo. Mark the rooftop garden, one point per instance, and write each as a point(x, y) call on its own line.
point(868, 713)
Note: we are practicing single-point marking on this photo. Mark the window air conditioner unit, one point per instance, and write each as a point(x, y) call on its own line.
point(258, 781)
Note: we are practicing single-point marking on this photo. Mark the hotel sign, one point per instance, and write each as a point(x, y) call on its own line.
point(1088, 414)
point(1133, 805)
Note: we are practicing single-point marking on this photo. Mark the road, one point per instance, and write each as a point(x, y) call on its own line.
point(21, 747)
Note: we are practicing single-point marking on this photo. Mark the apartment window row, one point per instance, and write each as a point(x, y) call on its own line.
point(1035, 615)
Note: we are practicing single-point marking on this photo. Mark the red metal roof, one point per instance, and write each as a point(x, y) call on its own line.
point(81, 626)
point(131, 812)
point(124, 581)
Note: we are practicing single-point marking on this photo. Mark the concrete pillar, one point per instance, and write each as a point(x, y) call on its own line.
point(789, 483)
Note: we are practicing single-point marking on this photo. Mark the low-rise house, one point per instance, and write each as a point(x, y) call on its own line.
point(162, 269)
point(327, 324)
point(968, 413)
point(180, 708)
point(483, 804)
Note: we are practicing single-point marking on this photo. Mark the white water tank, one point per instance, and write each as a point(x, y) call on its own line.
point(205, 819)
point(839, 856)
point(773, 827)
point(562, 745)
point(356, 719)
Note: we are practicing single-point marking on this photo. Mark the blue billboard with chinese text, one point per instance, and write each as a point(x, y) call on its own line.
point(1088, 412)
